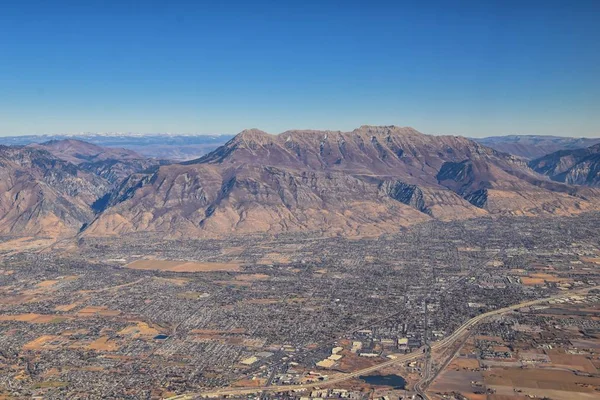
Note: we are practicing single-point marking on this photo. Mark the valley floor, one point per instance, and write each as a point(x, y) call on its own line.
point(142, 317)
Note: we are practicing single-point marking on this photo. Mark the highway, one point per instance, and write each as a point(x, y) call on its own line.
point(399, 359)
point(420, 387)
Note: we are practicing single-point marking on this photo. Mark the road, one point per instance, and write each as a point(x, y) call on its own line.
point(421, 386)
point(399, 359)
point(444, 365)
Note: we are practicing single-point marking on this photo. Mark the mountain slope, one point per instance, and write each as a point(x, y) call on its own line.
point(535, 146)
point(112, 164)
point(44, 195)
point(577, 167)
point(369, 181)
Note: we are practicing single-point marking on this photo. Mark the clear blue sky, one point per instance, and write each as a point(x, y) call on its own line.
point(474, 68)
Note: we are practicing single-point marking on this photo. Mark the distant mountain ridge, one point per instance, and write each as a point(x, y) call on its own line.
point(535, 146)
point(166, 146)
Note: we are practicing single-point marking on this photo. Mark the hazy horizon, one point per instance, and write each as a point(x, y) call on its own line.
point(470, 69)
point(116, 133)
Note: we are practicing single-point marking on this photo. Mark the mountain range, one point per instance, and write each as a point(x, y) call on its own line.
point(535, 146)
point(174, 147)
point(370, 181)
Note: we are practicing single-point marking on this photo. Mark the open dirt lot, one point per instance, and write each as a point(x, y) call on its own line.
point(541, 379)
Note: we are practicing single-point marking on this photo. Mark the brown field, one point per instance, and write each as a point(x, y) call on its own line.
point(38, 343)
point(531, 281)
point(250, 383)
point(47, 283)
point(517, 271)
point(261, 301)
point(577, 362)
point(174, 281)
point(595, 260)
point(20, 317)
point(464, 363)
point(459, 381)
point(507, 393)
point(252, 277)
point(540, 278)
point(182, 266)
point(256, 343)
point(586, 344)
point(140, 329)
point(233, 251)
point(25, 243)
point(462, 248)
point(541, 379)
point(506, 397)
point(474, 396)
point(97, 310)
point(352, 361)
point(103, 344)
point(33, 318)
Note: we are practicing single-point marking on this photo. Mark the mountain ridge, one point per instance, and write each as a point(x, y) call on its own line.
point(44, 195)
point(111, 163)
point(535, 146)
point(371, 180)
point(575, 167)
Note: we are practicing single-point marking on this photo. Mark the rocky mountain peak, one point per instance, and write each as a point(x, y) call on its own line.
point(386, 130)
point(252, 136)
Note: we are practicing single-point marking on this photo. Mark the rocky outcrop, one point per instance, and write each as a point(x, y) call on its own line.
point(410, 195)
point(478, 198)
point(457, 175)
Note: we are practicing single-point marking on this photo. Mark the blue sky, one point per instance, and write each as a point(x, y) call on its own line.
point(474, 68)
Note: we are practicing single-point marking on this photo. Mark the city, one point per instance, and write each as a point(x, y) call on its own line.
point(254, 312)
